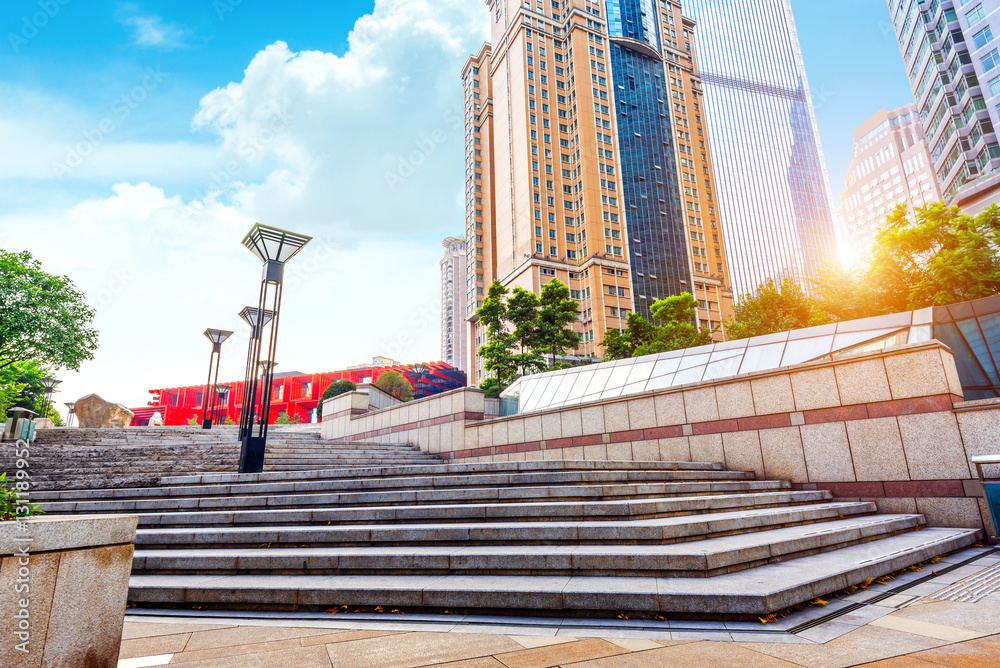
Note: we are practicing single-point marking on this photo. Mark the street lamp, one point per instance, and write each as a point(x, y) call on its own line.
point(50, 385)
point(419, 370)
point(257, 320)
point(217, 337)
point(222, 401)
point(274, 247)
point(71, 407)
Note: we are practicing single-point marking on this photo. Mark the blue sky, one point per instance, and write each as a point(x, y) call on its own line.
point(140, 140)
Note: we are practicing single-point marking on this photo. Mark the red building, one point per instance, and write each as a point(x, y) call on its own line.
point(295, 395)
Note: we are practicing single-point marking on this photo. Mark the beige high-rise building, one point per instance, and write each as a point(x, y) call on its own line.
point(892, 165)
point(587, 161)
point(454, 339)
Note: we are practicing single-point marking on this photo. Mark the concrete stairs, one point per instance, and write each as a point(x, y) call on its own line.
point(137, 457)
point(573, 537)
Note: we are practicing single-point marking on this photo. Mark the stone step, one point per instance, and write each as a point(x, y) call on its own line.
point(479, 467)
point(749, 593)
point(511, 512)
point(704, 558)
point(438, 481)
point(418, 497)
point(662, 531)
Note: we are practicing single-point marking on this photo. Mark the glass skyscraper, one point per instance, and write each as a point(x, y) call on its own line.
point(773, 189)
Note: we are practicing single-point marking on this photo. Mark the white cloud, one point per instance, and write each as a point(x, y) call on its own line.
point(150, 30)
point(305, 141)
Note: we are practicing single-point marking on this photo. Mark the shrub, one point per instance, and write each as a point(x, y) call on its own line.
point(336, 388)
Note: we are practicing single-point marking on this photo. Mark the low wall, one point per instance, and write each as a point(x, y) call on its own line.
point(889, 427)
point(63, 588)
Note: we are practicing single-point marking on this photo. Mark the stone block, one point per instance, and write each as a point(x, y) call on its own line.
point(515, 431)
point(707, 448)
point(641, 413)
point(742, 452)
point(595, 452)
point(916, 374)
point(572, 423)
point(592, 418)
point(895, 506)
point(773, 394)
point(93, 412)
point(701, 405)
point(669, 409)
point(735, 400)
point(532, 429)
point(862, 382)
point(951, 373)
point(933, 446)
point(815, 389)
point(619, 452)
point(675, 449)
point(827, 452)
point(551, 426)
point(951, 512)
point(646, 451)
point(877, 449)
point(475, 401)
point(499, 435)
point(39, 596)
point(616, 417)
point(783, 455)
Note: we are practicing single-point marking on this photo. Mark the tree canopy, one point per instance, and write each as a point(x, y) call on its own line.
point(522, 328)
point(773, 308)
point(395, 384)
point(335, 389)
point(43, 318)
point(676, 330)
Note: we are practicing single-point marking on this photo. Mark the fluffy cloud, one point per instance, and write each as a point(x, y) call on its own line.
point(363, 151)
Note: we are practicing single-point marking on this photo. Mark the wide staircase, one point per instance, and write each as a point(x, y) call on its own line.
point(545, 537)
point(140, 457)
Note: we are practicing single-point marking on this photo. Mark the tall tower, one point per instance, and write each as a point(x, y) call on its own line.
point(454, 341)
point(891, 166)
point(951, 52)
point(586, 161)
point(774, 193)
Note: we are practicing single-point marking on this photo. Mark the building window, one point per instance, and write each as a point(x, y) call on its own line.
point(990, 60)
point(975, 15)
point(983, 37)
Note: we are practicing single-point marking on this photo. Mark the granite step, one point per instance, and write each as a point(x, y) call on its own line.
point(704, 558)
point(660, 531)
point(465, 480)
point(511, 512)
point(387, 498)
point(753, 592)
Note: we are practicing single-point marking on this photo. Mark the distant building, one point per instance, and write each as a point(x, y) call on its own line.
point(294, 394)
point(454, 338)
point(587, 161)
point(892, 165)
point(952, 56)
point(773, 189)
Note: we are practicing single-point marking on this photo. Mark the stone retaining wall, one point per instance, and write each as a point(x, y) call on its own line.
point(890, 427)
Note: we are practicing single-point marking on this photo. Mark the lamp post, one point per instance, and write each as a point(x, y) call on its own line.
point(257, 320)
point(274, 247)
point(71, 407)
point(50, 385)
point(217, 337)
point(222, 401)
point(419, 370)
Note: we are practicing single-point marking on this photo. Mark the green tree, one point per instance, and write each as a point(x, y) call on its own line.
point(335, 389)
point(21, 387)
point(499, 359)
point(774, 308)
point(395, 384)
point(676, 330)
point(490, 387)
point(556, 315)
point(521, 316)
point(43, 318)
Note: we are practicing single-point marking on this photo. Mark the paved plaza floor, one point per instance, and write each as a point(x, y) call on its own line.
point(946, 614)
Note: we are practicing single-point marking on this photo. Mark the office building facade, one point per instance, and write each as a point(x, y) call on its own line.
point(774, 192)
point(951, 53)
point(587, 161)
point(892, 166)
point(454, 342)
